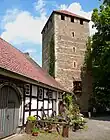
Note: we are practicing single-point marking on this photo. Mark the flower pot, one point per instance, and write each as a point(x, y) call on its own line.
point(76, 126)
point(35, 134)
point(50, 127)
point(29, 127)
point(65, 131)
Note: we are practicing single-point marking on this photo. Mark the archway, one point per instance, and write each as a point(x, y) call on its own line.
point(9, 110)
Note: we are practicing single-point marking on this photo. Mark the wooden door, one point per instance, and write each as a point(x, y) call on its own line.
point(9, 111)
point(10, 116)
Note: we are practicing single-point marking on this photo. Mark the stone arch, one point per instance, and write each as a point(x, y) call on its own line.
point(18, 91)
point(10, 105)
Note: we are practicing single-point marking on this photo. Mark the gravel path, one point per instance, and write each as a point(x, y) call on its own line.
point(96, 130)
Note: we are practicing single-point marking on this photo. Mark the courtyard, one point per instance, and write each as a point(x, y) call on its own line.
point(96, 129)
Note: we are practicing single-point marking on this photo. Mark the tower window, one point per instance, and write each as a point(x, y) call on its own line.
point(72, 19)
point(74, 49)
point(74, 64)
point(73, 34)
point(62, 17)
point(81, 21)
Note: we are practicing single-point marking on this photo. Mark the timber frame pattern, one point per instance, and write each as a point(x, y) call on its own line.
point(26, 91)
point(28, 108)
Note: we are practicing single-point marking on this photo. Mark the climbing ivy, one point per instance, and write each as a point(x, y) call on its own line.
point(52, 57)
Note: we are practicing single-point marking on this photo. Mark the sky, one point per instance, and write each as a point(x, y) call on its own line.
point(21, 21)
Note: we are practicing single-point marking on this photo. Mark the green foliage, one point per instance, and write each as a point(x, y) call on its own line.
point(31, 118)
point(99, 57)
point(73, 112)
point(52, 57)
point(88, 54)
point(34, 130)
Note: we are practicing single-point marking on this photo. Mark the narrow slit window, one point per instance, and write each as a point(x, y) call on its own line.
point(62, 17)
point(74, 64)
point(72, 19)
point(81, 21)
point(74, 49)
point(73, 34)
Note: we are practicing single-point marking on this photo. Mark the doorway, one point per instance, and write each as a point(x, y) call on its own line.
point(9, 110)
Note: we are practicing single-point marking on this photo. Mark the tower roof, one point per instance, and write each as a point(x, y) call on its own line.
point(67, 13)
point(70, 14)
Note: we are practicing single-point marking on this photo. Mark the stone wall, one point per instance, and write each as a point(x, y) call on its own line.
point(47, 33)
point(69, 49)
point(70, 44)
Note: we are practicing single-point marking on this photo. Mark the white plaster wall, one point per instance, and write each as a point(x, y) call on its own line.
point(25, 118)
point(40, 104)
point(45, 104)
point(34, 104)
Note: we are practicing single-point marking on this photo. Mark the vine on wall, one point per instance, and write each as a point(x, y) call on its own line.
point(52, 57)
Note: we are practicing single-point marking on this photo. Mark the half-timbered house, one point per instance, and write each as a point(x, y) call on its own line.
point(24, 89)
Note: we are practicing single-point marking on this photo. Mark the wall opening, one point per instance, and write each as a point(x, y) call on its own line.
point(62, 17)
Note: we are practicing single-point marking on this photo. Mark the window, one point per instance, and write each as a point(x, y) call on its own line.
point(74, 49)
point(50, 94)
point(73, 34)
point(72, 19)
point(40, 94)
point(81, 21)
point(62, 17)
point(74, 64)
point(77, 87)
point(27, 89)
point(59, 95)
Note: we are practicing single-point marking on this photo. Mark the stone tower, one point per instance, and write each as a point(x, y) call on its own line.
point(64, 38)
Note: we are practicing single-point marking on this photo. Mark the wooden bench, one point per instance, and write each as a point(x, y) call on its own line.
point(65, 126)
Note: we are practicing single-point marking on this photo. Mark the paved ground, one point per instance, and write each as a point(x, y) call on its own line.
point(98, 129)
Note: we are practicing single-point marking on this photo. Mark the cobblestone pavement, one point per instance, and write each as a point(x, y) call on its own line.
point(97, 129)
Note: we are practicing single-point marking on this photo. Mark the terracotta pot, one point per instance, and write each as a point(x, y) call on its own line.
point(35, 133)
point(50, 127)
point(29, 127)
point(65, 131)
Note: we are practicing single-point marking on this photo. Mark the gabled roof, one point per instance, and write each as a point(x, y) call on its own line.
point(70, 14)
point(15, 61)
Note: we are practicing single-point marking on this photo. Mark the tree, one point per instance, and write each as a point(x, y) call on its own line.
point(101, 55)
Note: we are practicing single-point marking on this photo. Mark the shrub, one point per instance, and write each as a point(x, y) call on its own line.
point(31, 118)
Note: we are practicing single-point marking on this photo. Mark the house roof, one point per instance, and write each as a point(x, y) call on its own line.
point(70, 14)
point(17, 62)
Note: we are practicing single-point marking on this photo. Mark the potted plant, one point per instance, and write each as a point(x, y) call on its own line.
point(30, 124)
point(35, 131)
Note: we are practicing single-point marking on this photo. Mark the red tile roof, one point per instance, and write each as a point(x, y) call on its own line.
point(14, 60)
point(70, 14)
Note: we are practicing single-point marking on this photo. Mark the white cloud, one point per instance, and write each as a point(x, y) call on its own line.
point(40, 4)
point(21, 27)
point(63, 6)
point(77, 9)
point(30, 50)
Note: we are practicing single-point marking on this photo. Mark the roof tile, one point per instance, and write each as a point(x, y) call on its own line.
point(14, 60)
